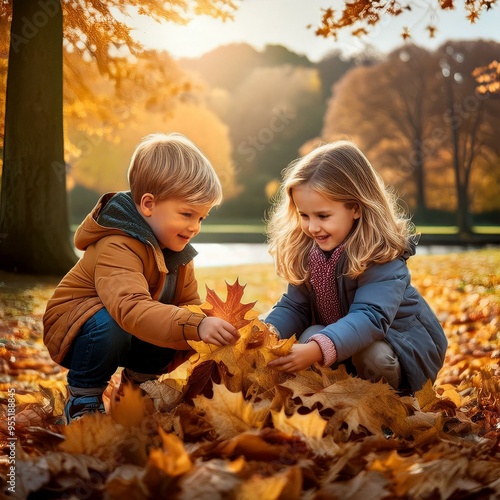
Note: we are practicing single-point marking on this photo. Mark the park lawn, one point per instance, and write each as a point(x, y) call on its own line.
point(455, 433)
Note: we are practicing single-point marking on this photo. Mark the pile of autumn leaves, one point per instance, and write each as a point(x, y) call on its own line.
point(223, 425)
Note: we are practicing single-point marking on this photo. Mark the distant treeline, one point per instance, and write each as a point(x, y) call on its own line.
point(414, 112)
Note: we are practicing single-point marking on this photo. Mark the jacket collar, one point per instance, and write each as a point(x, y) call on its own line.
point(121, 213)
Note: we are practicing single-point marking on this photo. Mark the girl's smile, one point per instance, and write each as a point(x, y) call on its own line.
point(327, 222)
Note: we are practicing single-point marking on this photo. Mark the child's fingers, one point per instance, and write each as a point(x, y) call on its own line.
point(229, 336)
point(279, 363)
point(233, 331)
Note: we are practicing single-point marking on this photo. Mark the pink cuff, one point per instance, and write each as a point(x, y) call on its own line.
point(327, 347)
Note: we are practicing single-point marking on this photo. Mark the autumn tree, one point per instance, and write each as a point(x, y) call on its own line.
point(385, 106)
point(360, 16)
point(471, 117)
point(399, 111)
point(33, 217)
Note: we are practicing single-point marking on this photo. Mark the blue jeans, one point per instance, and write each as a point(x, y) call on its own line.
point(102, 346)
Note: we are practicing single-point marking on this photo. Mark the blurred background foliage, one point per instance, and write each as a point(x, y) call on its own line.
point(417, 114)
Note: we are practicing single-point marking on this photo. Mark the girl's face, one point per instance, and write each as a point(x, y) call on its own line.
point(174, 222)
point(327, 222)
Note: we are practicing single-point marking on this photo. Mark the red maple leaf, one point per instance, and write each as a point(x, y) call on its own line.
point(232, 310)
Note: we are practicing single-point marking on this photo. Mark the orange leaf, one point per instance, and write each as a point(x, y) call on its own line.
point(172, 459)
point(283, 347)
point(287, 485)
point(232, 310)
point(130, 409)
point(95, 434)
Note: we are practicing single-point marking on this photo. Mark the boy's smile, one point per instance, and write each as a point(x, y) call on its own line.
point(174, 222)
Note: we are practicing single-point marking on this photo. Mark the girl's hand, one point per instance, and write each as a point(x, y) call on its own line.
point(302, 356)
point(217, 331)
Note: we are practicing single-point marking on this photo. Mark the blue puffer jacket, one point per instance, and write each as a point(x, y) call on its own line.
point(380, 304)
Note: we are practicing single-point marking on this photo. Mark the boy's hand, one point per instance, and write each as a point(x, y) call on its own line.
point(217, 331)
point(301, 356)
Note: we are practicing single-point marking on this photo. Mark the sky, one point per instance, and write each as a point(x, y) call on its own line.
point(284, 22)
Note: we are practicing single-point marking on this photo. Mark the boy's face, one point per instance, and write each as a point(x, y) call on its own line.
point(174, 221)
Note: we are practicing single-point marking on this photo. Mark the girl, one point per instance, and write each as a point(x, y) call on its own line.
point(338, 240)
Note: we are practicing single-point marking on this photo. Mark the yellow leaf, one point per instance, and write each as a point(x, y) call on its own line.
point(95, 434)
point(311, 426)
point(229, 413)
point(23, 399)
point(426, 397)
point(447, 391)
point(283, 347)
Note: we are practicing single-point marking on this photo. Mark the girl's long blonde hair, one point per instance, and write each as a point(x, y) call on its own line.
point(339, 171)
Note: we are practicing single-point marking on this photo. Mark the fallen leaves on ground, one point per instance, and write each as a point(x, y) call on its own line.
point(223, 425)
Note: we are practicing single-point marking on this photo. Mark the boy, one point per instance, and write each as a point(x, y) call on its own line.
point(121, 304)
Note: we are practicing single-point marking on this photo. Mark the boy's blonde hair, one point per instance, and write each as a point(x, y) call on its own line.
point(171, 166)
point(339, 171)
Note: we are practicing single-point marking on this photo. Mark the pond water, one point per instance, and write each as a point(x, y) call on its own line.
point(234, 254)
point(231, 254)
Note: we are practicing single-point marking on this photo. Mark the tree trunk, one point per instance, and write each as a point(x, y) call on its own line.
point(34, 226)
point(464, 229)
point(419, 174)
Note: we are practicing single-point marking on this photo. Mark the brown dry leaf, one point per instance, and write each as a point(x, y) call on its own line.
point(432, 475)
point(229, 413)
point(232, 310)
point(417, 423)
point(310, 381)
point(359, 403)
point(64, 471)
point(211, 480)
point(253, 446)
point(191, 425)
point(367, 484)
point(233, 380)
point(32, 415)
point(255, 338)
point(487, 383)
point(258, 378)
point(426, 397)
point(165, 393)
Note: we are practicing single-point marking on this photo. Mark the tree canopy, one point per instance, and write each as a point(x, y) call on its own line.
point(360, 16)
point(33, 215)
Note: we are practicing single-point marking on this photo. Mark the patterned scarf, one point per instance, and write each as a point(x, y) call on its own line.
point(322, 278)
